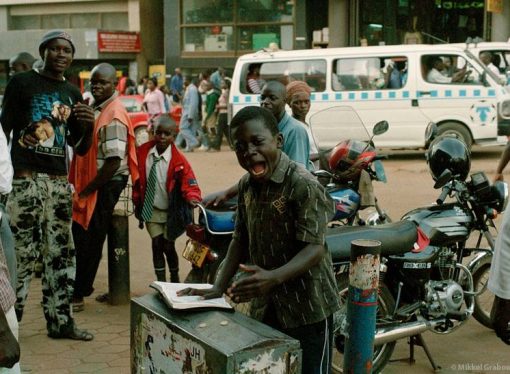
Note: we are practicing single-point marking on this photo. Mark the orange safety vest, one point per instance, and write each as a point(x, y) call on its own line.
point(84, 168)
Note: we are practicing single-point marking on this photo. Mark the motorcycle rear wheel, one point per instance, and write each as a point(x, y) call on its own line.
point(386, 306)
point(485, 300)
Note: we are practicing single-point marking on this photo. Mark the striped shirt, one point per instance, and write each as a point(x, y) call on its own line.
point(275, 221)
point(112, 141)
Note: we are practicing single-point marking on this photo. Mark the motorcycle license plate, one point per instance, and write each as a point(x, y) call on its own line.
point(195, 252)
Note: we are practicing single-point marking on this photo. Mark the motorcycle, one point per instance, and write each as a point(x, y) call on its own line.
point(352, 166)
point(429, 289)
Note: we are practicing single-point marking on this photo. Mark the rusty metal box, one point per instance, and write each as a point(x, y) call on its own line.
point(206, 342)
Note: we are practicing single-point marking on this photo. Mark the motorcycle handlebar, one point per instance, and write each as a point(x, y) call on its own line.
point(444, 193)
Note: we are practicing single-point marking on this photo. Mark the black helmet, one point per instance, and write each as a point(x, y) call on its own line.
point(449, 152)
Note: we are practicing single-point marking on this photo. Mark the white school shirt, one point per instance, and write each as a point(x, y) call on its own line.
point(161, 194)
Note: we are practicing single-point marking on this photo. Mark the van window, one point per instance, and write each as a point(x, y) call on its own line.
point(373, 73)
point(254, 75)
point(449, 69)
point(501, 59)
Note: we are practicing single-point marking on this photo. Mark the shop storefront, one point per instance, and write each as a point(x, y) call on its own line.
point(421, 21)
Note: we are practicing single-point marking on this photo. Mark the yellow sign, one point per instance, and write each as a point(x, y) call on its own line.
point(158, 71)
point(495, 6)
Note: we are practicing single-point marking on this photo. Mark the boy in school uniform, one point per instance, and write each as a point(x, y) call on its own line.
point(280, 229)
point(166, 187)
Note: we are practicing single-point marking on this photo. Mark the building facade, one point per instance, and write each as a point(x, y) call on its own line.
point(126, 33)
point(203, 34)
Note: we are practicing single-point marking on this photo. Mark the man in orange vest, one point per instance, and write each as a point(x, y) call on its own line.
point(99, 178)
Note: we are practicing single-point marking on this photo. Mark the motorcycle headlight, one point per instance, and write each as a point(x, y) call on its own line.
point(505, 109)
point(500, 193)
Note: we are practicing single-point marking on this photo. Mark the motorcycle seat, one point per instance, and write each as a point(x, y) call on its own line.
point(220, 222)
point(396, 238)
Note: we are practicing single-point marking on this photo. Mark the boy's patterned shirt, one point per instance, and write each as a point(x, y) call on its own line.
point(275, 221)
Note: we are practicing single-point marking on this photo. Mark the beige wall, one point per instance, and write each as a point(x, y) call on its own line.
point(338, 20)
point(501, 24)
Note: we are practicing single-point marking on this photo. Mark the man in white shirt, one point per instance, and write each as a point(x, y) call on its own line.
point(486, 58)
point(436, 65)
point(6, 174)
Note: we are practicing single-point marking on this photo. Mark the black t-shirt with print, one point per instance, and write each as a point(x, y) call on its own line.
point(32, 98)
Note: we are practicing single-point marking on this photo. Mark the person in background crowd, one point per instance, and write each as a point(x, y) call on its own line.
point(191, 116)
point(21, 62)
point(177, 86)
point(499, 276)
point(211, 114)
point(166, 92)
point(167, 183)
point(154, 100)
point(9, 346)
point(280, 226)
point(222, 126)
point(99, 177)
point(217, 77)
point(142, 85)
point(130, 87)
point(45, 113)
point(298, 99)
point(486, 58)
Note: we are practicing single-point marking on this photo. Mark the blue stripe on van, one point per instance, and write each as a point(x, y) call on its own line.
point(364, 95)
point(325, 97)
point(476, 92)
point(433, 93)
point(448, 93)
point(312, 97)
point(405, 94)
point(236, 99)
point(392, 94)
point(378, 95)
point(492, 92)
point(462, 93)
point(338, 96)
point(248, 99)
point(352, 96)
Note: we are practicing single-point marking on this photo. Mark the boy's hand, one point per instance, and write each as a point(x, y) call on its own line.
point(84, 114)
point(193, 202)
point(211, 293)
point(216, 198)
point(257, 282)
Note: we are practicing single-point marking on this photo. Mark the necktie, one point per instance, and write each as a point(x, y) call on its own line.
point(150, 191)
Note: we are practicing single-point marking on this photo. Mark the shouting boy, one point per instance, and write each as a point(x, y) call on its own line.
point(280, 229)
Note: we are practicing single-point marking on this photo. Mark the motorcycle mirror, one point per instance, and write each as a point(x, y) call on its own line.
point(430, 133)
point(444, 178)
point(380, 127)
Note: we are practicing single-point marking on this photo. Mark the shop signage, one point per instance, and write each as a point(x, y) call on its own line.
point(118, 41)
point(466, 4)
point(495, 6)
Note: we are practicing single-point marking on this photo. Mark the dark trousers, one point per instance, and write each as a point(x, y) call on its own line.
point(316, 341)
point(89, 243)
point(162, 248)
point(221, 129)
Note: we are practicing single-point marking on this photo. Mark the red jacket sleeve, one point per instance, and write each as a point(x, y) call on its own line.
point(189, 184)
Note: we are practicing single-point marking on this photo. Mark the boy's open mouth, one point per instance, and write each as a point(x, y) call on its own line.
point(258, 168)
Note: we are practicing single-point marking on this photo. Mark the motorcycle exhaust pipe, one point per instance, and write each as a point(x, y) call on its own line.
point(392, 333)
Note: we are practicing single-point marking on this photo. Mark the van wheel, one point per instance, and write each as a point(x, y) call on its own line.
point(141, 135)
point(458, 130)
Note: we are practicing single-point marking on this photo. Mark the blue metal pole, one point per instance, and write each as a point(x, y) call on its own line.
point(362, 305)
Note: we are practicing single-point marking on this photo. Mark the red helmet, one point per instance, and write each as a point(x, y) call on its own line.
point(349, 157)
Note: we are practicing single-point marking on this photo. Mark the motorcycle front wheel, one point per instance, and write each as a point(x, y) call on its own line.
point(385, 307)
point(484, 298)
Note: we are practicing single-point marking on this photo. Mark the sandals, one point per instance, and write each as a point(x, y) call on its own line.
point(78, 306)
point(72, 333)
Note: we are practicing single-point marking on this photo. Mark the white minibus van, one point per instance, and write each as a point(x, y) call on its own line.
point(400, 84)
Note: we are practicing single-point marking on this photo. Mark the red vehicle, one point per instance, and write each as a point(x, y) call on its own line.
point(141, 119)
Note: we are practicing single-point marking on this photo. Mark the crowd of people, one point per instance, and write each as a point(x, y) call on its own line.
point(58, 208)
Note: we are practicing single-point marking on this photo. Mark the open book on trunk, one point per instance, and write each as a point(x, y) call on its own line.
point(168, 292)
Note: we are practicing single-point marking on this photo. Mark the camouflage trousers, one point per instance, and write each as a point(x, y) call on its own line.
point(41, 215)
